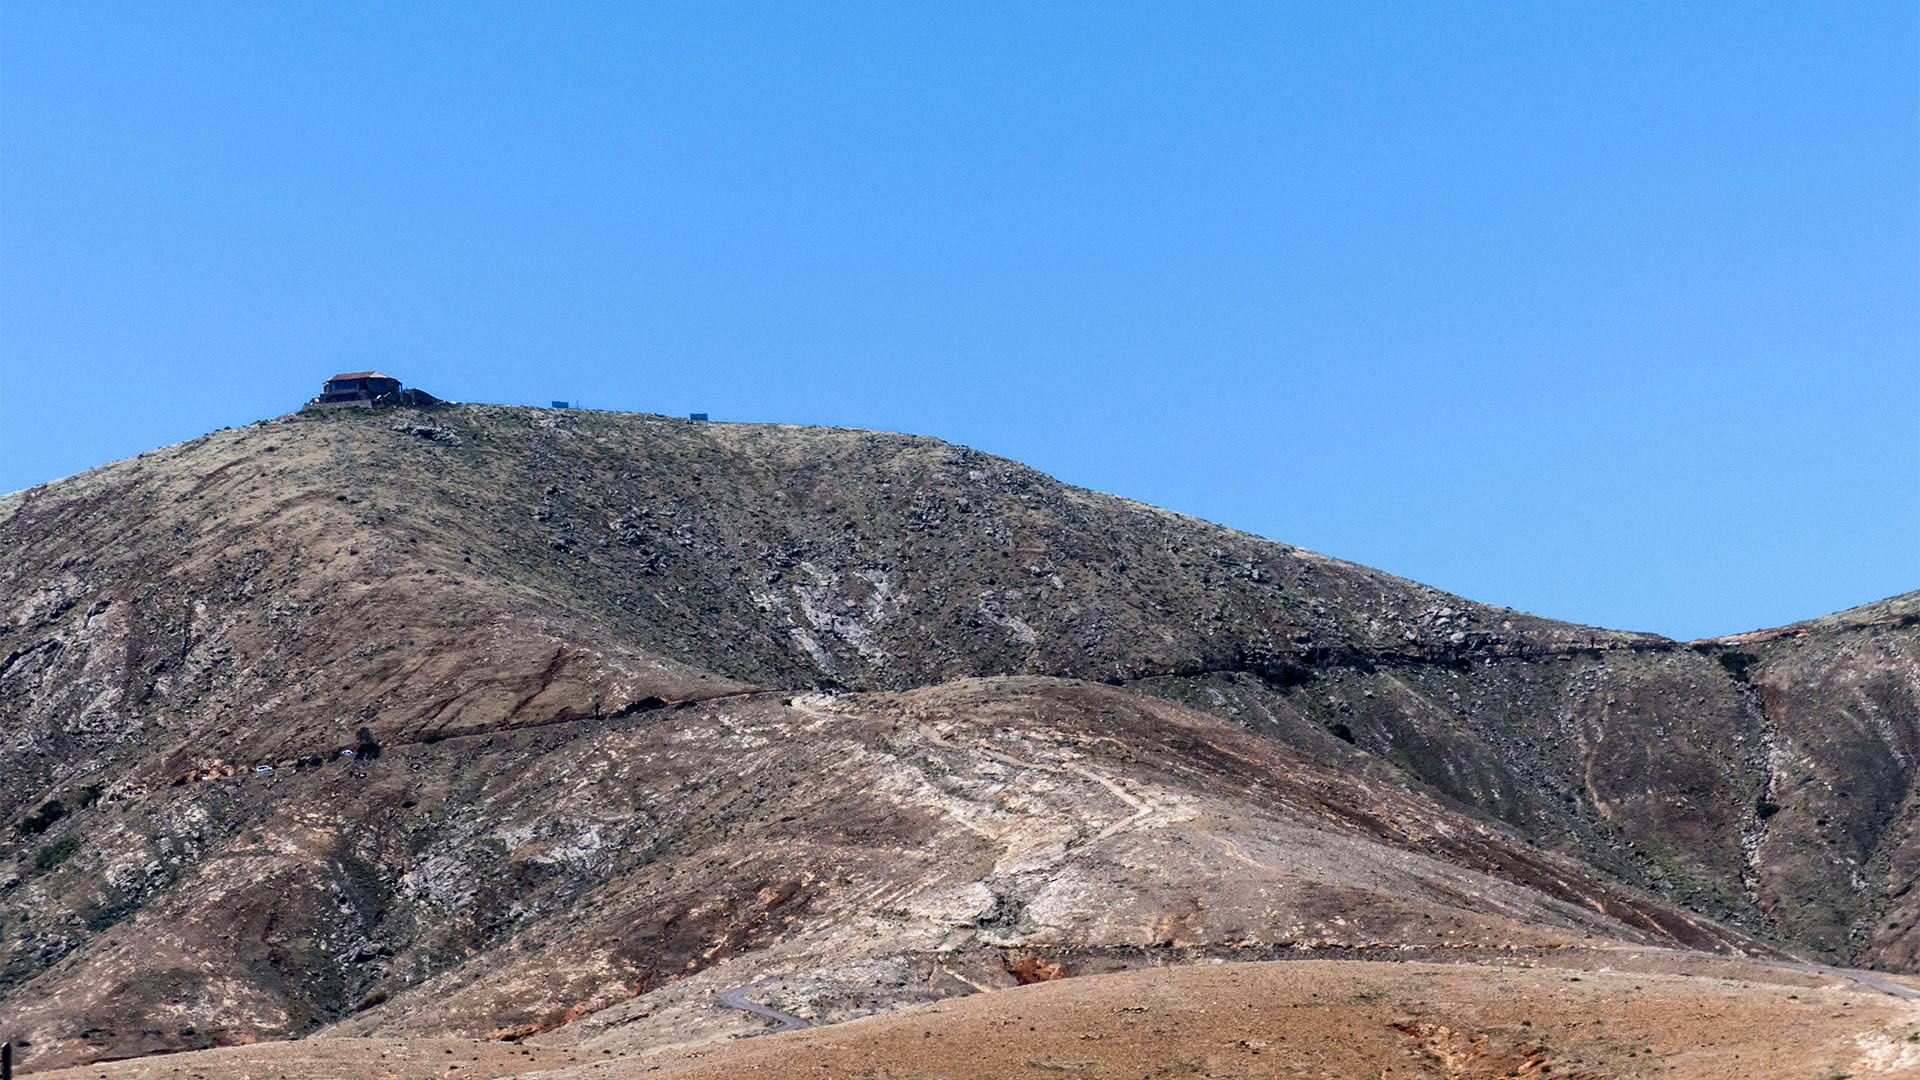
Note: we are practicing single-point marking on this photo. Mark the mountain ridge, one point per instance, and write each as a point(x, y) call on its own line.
point(517, 583)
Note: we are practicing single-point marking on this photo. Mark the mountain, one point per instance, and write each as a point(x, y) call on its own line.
point(534, 724)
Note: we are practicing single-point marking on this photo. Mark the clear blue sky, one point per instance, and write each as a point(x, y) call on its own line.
point(1605, 311)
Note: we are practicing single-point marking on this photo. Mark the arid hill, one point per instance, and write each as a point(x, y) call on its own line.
point(1619, 1015)
point(518, 723)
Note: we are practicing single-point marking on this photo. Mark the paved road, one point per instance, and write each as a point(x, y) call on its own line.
point(736, 999)
point(1885, 986)
point(1852, 975)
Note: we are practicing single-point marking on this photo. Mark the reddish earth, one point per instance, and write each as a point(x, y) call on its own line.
point(1349, 1020)
point(1346, 1019)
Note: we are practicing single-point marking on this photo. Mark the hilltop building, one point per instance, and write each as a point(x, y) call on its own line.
point(356, 388)
point(367, 389)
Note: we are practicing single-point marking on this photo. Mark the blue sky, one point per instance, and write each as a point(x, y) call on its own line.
point(1605, 311)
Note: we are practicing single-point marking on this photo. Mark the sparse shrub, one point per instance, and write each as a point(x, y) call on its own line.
point(1285, 674)
point(56, 853)
point(1767, 809)
point(1737, 663)
point(105, 915)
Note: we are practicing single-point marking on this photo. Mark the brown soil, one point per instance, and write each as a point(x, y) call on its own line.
point(1344, 1019)
point(1347, 1020)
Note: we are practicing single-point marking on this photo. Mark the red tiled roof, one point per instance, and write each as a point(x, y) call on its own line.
point(361, 375)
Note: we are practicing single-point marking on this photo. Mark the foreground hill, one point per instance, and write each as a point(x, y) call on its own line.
point(1351, 1019)
point(1623, 1015)
point(492, 721)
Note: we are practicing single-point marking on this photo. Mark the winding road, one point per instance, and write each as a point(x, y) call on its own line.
point(736, 999)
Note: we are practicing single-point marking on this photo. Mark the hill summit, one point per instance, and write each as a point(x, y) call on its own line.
point(518, 723)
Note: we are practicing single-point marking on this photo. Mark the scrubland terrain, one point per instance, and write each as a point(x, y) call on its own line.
point(546, 730)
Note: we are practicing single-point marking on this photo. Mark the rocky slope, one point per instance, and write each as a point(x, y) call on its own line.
point(570, 715)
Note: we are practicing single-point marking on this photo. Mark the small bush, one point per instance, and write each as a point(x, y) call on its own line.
point(56, 853)
point(1284, 674)
point(105, 915)
point(1341, 731)
point(1737, 663)
point(1767, 809)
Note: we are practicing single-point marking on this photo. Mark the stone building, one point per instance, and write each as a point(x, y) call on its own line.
point(367, 389)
